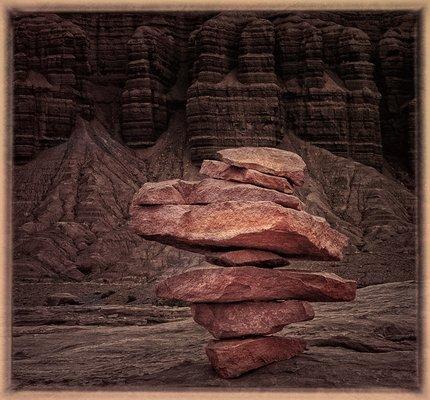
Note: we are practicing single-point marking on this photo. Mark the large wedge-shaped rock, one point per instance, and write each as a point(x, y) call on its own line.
point(231, 358)
point(222, 170)
point(229, 320)
point(223, 285)
point(256, 258)
point(178, 191)
point(260, 225)
point(267, 160)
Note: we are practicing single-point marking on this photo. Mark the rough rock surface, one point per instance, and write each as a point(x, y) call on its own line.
point(221, 285)
point(260, 225)
point(83, 249)
point(208, 190)
point(231, 358)
point(228, 320)
point(376, 333)
point(267, 160)
point(322, 87)
point(238, 320)
point(221, 170)
point(61, 299)
point(326, 89)
point(151, 72)
point(53, 247)
point(97, 315)
point(257, 258)
point(396, 51)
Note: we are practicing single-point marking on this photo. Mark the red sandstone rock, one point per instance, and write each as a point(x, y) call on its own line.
point(228, 320)
point(224, 285)
point(209, 190)
point(231, 358)
point(260, 225)
point(256, 258)
point(267, 160)
point(221, 170)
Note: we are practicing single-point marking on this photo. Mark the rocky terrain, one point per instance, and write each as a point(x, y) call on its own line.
point(106, 102)
point(375, 336)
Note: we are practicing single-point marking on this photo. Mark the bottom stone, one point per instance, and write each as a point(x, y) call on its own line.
point(233, 357)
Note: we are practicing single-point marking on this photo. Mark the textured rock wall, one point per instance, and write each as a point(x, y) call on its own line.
point(233, 99)
point(340, 80)
point(152, 67)
point(324, 92)
point(327, 87)
point(51, 56)
point(333, 101)
point(396, 52)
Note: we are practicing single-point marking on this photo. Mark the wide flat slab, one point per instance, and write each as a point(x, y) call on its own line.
point(229, 320)
point(223, 285)
point(262, 225)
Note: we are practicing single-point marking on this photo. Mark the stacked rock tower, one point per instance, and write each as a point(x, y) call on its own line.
point(246, 220)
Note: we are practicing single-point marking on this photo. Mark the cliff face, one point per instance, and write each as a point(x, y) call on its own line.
point(104, 102)
point(343, 81)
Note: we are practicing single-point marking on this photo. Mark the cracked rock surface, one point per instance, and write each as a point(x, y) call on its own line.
point(375, 336)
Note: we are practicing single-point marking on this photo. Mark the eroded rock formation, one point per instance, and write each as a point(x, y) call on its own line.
point(71, 201)
point(72, 195)
point(339, 80)
point(239, 301)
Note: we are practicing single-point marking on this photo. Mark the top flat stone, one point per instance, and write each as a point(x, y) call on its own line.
point(267, 160)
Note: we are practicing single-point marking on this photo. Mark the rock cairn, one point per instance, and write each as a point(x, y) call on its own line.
point(245, 219)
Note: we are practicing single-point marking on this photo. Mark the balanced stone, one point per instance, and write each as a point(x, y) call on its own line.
point(233, 357)
point(256, 258)
point(260, 225)
point(244, 216)
point(224, 285)
point(178, 191)
point(228, 320)
point(267, 160)
point(222, 170)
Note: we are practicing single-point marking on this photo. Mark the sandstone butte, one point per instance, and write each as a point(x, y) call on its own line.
point(260, 225)
point(224, 285)
point(256, 258)
point(222, 170)
point(232, 357)
point(228, 320)
point(178, 191)
point(267, 160)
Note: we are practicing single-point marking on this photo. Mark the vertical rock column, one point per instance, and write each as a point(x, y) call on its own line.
point(233, 99)
point(152, 68)
point(246, 220)
point(356, 70)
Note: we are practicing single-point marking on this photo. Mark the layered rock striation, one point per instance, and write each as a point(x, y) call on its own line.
point(340, 80)
point(233, 99)
point(248, 229)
